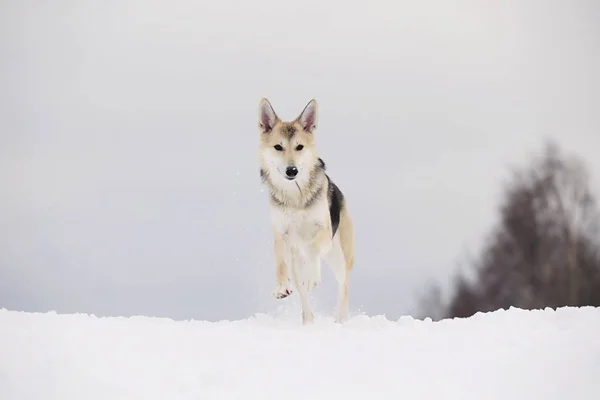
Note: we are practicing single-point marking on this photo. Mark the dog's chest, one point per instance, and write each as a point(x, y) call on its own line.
point(298, 225)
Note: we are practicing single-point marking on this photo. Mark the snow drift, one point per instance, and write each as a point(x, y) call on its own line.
point(512, 354)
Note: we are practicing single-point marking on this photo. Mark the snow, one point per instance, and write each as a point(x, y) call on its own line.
point(513, 354)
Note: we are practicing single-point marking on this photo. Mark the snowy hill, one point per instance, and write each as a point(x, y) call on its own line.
point(511, 354)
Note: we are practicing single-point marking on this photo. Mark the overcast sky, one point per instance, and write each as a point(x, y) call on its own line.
point(128, 140)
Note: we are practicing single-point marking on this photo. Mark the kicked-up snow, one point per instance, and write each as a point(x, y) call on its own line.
point(512, 354)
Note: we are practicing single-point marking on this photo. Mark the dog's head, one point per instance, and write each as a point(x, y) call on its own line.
point(287, 149)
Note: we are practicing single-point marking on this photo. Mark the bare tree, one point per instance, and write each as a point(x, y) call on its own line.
point(544, 252)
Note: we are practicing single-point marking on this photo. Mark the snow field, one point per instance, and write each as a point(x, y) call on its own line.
point(512, 354)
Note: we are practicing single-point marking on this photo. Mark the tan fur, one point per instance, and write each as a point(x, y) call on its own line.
point(346, 232)
point(301, 223)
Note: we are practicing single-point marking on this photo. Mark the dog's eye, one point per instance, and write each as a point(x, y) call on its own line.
point(299, 147)
point(278, 147)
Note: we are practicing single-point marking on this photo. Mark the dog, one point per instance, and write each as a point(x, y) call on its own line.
point(309, 213)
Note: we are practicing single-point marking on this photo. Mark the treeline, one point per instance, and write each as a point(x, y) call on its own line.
point(543, 252)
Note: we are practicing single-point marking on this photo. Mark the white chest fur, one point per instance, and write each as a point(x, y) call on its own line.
point(298, 226)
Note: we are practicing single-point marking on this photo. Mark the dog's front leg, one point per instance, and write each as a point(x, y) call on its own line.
point(318, 248)
point(299, 269)
point(322, 242)
point(283, 287)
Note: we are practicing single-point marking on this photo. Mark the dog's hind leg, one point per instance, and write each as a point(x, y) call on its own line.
point(335, 259)
point(341, 260)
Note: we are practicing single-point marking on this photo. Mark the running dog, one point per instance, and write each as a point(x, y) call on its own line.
point(309, 214)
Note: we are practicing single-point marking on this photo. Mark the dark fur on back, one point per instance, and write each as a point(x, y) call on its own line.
point(335, 197)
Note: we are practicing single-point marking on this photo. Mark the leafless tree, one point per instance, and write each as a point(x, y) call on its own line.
point(544, 251)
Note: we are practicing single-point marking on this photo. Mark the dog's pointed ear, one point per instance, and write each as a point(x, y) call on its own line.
point(309, 117)
point(267, 118)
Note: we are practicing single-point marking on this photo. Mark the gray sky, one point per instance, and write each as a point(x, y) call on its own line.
point(128, 172)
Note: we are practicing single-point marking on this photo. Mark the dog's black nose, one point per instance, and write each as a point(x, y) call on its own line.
point(291, 171)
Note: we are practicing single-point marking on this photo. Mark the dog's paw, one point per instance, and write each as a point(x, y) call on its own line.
point(341, 315)
point(341, 318)
point(308, 318)
point(282, 290)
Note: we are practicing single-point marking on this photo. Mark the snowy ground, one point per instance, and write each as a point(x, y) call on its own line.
point(503, 355)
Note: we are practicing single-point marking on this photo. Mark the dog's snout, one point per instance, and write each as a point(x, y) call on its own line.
point(291, 171)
